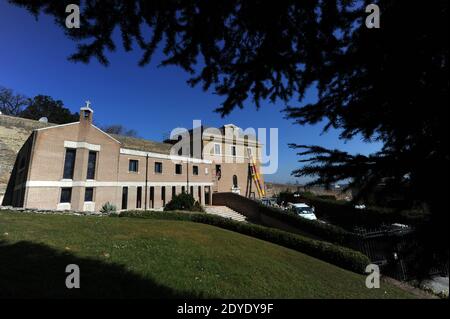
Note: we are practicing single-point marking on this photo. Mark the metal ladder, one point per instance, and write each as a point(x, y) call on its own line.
point(255, 175)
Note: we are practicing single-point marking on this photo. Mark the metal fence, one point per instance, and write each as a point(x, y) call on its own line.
point(392, 249)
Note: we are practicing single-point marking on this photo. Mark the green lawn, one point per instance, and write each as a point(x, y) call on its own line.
point(126, 257)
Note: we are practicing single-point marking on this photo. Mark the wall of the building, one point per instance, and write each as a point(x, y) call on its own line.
point(45, 179)
point(168, 178)
point(47, 166)
point(45, 154)
point(233, 165)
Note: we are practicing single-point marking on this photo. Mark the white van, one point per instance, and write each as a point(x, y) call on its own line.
point(303, 210)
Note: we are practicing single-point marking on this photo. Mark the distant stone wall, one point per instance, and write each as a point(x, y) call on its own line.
point(14, 131)
point(273, 189)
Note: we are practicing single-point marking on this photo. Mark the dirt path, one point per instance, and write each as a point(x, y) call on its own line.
point(413, 290)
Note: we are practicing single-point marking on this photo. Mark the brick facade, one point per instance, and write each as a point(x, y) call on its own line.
point(37, 177)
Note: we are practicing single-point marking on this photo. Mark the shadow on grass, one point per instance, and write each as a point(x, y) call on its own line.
point(30, 270)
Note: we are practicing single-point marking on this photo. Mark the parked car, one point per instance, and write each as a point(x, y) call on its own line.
point(271, 202)
point(303, 210)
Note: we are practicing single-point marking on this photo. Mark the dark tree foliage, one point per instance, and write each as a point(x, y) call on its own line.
point(184, 202)
point(54, 111)
point(388, 84)
point(243, 49)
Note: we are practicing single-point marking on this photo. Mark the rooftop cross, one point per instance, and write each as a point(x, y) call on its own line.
point(88, 104)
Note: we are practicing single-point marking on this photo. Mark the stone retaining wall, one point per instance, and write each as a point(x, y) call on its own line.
point(14, 131)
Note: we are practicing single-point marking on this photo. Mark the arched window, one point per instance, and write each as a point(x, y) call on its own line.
point(235, 181)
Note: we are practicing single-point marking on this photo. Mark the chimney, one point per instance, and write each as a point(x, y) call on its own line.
point(86, 113)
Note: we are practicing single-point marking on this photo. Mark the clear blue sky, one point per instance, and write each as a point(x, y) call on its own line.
point(151, 100)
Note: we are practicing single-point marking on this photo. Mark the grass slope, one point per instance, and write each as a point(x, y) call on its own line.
point(125, 257)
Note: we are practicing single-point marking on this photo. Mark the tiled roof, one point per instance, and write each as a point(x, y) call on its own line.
point(143, 145)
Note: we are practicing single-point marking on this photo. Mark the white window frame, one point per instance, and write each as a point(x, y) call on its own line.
point(231, 150)
point(154, 168)
point(220, 149)
point(137, 166)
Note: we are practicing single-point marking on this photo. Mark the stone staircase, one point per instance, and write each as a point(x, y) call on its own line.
point(225, 212)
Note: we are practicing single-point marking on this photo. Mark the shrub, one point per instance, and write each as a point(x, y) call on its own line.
point(327, 197)
point(108, 208)
point(290, 197)
point(346, 215)
point(255, 211)
point(198, 207)
point(185, 202)
point(324, 231)
point(334, 254)
point(285, 197)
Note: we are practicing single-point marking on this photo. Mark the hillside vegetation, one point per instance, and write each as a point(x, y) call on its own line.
point(149, 258)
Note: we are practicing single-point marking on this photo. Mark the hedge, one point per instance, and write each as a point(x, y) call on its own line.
point(334, 254)
point(346, 215)
point(322, 230)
